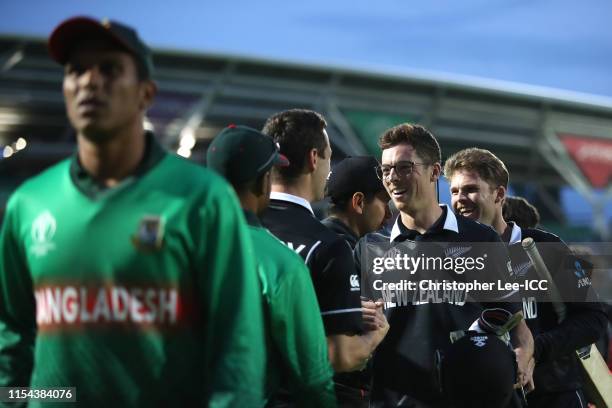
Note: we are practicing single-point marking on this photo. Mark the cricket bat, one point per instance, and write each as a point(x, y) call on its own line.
point(598, 384)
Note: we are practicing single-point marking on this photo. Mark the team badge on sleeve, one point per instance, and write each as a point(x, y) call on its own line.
point(150, 233)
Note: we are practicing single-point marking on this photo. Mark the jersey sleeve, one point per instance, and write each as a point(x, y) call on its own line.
point(230, 304)
point(339, 289)
point(17, 306)
point(297, 330)
point(499, 267)
point(586, 320)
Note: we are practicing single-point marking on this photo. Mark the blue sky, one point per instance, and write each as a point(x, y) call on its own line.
point(562, 44)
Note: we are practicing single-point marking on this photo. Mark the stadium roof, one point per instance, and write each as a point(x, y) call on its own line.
point(199, 94)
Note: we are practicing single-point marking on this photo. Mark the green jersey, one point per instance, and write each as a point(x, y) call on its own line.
point(145, 294)
point(297, 358)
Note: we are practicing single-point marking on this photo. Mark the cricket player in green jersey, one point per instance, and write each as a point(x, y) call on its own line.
point(125, 271)
point(299, 372)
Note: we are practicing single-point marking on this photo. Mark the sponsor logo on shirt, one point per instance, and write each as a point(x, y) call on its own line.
point(42, 233)
point(354, 281)
point(583, 279)
point(479, 341)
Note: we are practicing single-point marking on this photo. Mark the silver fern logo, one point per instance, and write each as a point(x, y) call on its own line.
point(521, 269)
point(43, 231)
point(455, 252)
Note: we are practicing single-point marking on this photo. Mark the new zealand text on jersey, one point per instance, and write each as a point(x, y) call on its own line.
point(73, 305)
point(420, 296)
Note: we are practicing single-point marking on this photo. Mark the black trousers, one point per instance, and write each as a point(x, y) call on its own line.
point(566, 399)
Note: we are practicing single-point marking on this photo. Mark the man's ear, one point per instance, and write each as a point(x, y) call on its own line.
point(436, 172)
point(358, 202)
point(148, 90)
point(313, 157)
point(500, 194)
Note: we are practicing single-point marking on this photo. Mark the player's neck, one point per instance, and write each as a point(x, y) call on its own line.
point(499, 224)
point(250, 202)
point(301, 188)
point(111, 161)
point(349, 222)
point(421, 219)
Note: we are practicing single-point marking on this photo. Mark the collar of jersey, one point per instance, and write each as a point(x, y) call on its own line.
point(251, 218)
point(292, 199)
point(450, 224)
point(154, 152)
point(517, 234)
point(343, 227)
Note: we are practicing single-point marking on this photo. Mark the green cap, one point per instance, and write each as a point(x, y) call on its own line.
point(241, 154)
point(70, 32)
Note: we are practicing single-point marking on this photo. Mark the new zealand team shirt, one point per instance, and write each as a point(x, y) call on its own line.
point(144, 294)
point(328, 257)
point(555, 344)
point(403, 369)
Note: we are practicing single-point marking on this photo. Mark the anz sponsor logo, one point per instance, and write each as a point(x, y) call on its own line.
point(354, 281)
point(583, 279)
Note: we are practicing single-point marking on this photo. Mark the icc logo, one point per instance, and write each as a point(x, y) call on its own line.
point(43, 231)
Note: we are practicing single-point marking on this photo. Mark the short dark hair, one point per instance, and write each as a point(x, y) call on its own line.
point(521, 211)
point(340, 205)
point(487, 165)
point(255, 186)
point(297, 131)
point(416, 136)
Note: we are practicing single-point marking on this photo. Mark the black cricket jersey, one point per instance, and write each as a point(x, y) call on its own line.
point(557, 366)
point(326, 254)
point(352, 389)
point(403, 368)
point(341, 229)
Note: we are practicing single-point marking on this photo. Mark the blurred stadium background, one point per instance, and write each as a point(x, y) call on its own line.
point(557, 144)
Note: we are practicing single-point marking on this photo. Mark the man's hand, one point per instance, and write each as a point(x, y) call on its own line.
point(526, 364)
point(373, 316)
point(530, 385)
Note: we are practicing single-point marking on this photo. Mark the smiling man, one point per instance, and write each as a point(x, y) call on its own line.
point(359, 205)
point(114, 278)
point(359, 201)
point(478, 184)
point(403, 369)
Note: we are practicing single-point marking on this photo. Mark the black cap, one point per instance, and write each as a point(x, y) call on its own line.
point(351, 175)
point(69, 32)
point(241, 154)
point(479, 370)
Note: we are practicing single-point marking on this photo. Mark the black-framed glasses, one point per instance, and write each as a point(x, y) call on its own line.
point(402, 169)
